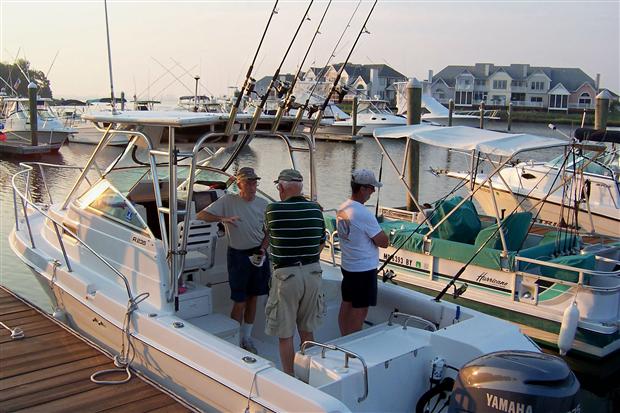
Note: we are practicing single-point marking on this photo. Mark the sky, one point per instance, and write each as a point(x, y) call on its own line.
point(158, 47)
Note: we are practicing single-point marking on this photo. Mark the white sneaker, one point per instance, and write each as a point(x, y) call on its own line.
point(248, 344)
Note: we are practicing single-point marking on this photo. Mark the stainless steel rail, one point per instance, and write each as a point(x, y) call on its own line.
point(347, 355)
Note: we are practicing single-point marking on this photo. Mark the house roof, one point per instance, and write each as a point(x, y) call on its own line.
point(571, 78)
point(355, 70)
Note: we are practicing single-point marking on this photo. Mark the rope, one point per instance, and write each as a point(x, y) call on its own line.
point(123, 360)
point(16, 333)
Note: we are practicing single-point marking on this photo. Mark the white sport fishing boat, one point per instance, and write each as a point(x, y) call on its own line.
point(559, 287)
point(545, 188)
point(375, 113)
point(15, 113)
point(114, 253)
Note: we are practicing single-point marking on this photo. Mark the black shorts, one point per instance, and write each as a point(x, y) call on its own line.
point(245, 279)
point(359, 288)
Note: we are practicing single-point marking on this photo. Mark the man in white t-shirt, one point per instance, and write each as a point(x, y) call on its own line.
point(360, 238)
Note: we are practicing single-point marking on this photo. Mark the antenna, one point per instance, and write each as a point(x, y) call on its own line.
point(107, 31)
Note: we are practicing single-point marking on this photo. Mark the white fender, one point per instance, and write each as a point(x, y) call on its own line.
point(570, 319)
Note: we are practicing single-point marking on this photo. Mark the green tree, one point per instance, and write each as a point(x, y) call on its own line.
point(11, 74)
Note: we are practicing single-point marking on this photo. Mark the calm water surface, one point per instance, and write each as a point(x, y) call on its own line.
point(334, 163)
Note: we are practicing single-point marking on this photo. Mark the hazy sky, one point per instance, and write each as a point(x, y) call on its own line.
point(217, 39)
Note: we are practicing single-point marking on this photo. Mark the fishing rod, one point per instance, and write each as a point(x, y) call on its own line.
point(289, 98)
point(379, 188)
point(305, 106)
point(259, 110)
point(248, 83)
point(343, 90)
point(257, 113)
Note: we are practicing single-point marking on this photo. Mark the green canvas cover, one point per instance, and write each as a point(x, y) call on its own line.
point(462, 226)
point(515, 230)
point(585, 262)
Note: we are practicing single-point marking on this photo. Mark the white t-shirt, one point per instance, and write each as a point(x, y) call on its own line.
point(356, 228)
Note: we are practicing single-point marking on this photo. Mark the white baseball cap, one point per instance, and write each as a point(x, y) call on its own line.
point(365, 177)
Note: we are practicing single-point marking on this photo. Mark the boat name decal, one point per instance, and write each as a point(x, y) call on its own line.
point(506, 405)
point(138, 240)
point(484, 277)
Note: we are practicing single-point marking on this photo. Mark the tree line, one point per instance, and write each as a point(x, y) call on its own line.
point(13, 79)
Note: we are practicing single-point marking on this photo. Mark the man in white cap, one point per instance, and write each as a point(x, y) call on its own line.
point(243, 216)
point(360, 238)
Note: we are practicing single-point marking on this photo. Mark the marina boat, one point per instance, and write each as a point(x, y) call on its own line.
point(335, 121)
point(128, 264)
point(552, 282)
point(89, 132)
point(16, 119)
point(375, 113)
point(546, 187)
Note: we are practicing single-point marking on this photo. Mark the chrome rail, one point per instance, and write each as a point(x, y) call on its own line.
point(347, 355)
point(394, 314)
point(29, 166)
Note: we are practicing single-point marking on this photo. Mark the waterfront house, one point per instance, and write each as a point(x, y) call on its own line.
point(525, 86)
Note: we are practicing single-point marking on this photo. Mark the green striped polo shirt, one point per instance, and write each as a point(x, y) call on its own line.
point(296, 230)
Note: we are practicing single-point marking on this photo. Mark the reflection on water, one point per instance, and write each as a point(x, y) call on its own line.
point(334, 164)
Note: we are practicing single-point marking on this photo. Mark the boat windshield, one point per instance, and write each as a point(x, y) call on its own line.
point(603, 164)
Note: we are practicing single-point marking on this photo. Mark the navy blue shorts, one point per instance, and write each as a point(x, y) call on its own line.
point(359, 288)
point(245, 279)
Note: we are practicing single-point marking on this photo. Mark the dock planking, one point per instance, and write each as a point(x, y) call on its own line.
point(49, 370)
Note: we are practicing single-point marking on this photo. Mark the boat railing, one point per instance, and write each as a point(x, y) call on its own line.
point(582, 274)
point(347, 355)
point(25, 199)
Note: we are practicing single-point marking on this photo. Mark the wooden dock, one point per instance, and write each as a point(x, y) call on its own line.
point(49, 369)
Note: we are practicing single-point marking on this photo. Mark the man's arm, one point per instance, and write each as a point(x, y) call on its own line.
point(209, 217)
point(381, 240)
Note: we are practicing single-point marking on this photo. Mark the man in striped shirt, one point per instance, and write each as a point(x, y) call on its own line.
point(296, 232)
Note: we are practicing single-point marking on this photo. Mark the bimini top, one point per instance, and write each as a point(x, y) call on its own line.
point(175, 119)
point(178, 119)
point(469, 139)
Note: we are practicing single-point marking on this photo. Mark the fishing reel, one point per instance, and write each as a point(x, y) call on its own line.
point(290, 104)
point(311, 109)
point(459, 291)
point(388, 276)
point(282, 88)
point(250, 87)
point(342, 92)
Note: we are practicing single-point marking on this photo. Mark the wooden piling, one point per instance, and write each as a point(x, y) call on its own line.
point(601, 110)
point(122, 100)
point(509, 116)
point(34, 123)
point(414, 114)
point(482, 115)
point(450, 111)
point(354, 115)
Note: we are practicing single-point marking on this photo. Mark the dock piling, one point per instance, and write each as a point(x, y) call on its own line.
point(34, 122)
point(482, 115)
point(450, 111)
point(354, 116)
point(414, 114)
point(601, 110)
point(509, 117)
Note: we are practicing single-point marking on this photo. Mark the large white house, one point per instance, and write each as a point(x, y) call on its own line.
point(550, 88)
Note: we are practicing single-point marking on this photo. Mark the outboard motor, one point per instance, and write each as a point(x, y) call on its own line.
point(515, 381)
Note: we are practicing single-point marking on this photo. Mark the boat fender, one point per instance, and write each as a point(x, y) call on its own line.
point(568, 328)
point(59, 315)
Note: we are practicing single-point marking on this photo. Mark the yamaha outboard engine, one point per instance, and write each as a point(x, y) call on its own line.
point(515, 381)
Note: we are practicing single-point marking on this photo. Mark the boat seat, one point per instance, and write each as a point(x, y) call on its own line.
point(201, 240)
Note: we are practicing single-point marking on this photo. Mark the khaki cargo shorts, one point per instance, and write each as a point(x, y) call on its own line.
point(295, 299)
